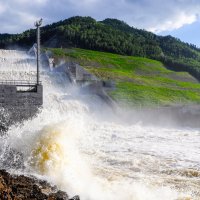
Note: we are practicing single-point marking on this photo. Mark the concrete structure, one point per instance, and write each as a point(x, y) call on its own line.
point(20, 100)
point(88, 83)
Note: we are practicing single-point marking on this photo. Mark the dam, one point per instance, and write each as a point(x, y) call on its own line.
point(20, 100)
point(20, 94)
point(20, 97)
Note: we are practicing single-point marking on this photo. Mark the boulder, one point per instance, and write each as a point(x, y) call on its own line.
point(20, 187)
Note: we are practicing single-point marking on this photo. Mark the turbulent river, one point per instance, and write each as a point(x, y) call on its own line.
point(82, 146)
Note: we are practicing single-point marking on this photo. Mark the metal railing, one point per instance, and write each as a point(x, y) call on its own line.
point(19, 82)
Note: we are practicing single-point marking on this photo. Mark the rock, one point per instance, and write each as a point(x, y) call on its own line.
point(75, 198)
point(14, 187)
point(58, 196)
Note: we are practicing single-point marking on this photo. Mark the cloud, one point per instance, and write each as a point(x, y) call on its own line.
point(153, 15)
point(161, 15)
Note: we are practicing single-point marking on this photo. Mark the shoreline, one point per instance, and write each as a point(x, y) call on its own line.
point(20, 187)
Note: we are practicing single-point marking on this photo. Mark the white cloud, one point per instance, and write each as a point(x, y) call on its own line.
point(159, 15)
point(172, 23)
point(153, 15)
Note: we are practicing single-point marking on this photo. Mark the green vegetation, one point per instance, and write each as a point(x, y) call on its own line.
point(112, 35)
point(139, 81)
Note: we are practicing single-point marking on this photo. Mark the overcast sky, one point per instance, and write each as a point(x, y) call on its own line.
point(179, 18)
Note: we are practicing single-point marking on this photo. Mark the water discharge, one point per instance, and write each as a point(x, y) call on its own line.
point(77, 143)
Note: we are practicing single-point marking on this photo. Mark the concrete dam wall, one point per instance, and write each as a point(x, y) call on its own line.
point(19, 105)
point(20, 96)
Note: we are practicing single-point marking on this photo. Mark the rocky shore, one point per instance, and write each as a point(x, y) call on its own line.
point(20, 187)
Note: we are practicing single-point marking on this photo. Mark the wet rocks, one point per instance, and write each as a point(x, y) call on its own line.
point(13, 187)
point(75, 198)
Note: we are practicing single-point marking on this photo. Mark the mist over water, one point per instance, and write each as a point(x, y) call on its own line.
point(78, 143)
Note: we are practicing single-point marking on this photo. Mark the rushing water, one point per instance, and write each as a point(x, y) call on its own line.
point(79, 144)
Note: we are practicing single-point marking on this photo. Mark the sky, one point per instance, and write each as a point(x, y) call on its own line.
point(179, 18)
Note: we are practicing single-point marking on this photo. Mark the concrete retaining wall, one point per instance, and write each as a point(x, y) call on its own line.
point(88, 83)
point(18, 105)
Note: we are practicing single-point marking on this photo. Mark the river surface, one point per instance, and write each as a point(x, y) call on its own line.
point(78, 143)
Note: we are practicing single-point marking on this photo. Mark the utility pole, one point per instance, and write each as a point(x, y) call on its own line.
point(37, 25)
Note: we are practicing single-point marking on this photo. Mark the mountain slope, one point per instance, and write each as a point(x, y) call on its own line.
point(112, 35)
point(139, 81)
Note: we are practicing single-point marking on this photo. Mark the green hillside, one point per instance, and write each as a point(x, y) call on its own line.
point(139, 81)
point(114, 36)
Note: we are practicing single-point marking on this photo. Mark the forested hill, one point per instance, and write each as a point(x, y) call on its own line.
point(112, 35)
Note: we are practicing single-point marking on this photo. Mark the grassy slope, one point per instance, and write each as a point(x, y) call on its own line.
point(139, 81)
